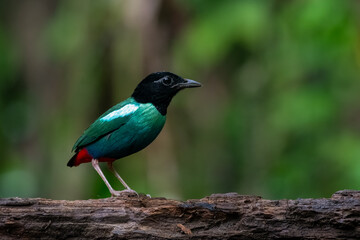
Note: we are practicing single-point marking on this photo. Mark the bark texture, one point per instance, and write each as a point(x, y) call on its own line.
point(219, 216)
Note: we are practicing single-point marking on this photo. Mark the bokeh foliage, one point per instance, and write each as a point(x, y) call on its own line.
point(278, 114)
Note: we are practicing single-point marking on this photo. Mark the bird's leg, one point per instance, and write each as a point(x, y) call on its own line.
point(95, 164)
point(128, 189)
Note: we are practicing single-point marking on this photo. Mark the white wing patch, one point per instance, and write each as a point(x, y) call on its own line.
point(122, 112)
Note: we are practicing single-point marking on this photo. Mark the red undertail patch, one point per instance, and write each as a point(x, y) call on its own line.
point(83, 156)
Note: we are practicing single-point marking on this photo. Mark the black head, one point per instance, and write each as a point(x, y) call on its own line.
point(160, 87)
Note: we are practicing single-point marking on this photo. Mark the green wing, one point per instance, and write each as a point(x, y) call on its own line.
point(108, 122)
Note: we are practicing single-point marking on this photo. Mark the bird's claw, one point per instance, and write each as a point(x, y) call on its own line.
point(127, 192)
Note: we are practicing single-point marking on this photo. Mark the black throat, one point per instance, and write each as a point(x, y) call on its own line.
point(161, 103)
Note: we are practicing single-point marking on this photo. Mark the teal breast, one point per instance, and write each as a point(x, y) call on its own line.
point(143, 125)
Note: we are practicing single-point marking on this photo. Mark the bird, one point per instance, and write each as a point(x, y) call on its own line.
point(129, 126)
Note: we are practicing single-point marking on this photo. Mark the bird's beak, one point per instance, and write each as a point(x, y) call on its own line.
point(188, 83)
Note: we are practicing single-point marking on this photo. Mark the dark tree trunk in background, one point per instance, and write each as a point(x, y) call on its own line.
point(220, 216)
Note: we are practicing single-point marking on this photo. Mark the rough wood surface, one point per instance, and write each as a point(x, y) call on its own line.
point(219, 216)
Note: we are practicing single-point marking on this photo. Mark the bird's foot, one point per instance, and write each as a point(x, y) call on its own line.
point(126, 192)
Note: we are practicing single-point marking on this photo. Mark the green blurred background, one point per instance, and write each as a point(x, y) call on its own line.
point(278, 114)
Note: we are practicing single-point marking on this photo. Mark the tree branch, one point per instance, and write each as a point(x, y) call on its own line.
point(220, 216)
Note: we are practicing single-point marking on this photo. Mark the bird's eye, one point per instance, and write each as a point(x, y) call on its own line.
point(167, 81)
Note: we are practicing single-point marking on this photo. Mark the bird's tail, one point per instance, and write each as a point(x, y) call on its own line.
point(72, 161)
point(80, 157)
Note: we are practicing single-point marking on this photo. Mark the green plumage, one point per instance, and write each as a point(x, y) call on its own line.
point(122, 130)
